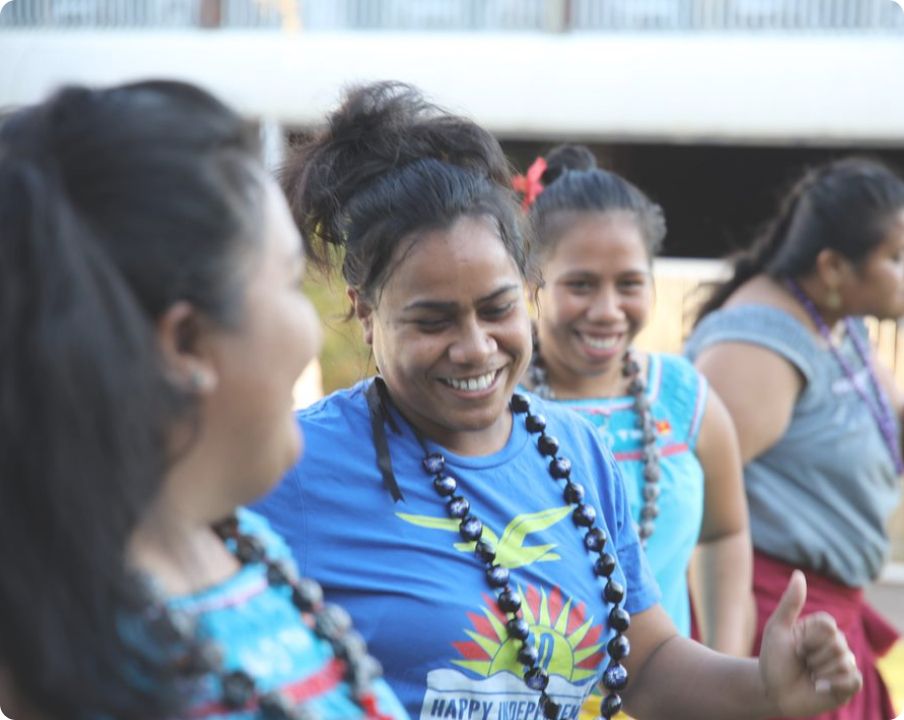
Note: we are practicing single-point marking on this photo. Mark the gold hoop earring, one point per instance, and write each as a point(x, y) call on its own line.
point(833, 299)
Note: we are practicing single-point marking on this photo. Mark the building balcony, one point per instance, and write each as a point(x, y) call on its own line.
point(577, 16)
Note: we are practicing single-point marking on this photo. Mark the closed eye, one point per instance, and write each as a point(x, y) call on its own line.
point(431, 325)
point(632, 284)
point(497, 311)
point(579, 286)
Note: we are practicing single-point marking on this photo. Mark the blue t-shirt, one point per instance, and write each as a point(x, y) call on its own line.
point(417, 592)
point(677, 395)
point(820, 496)
point(258, 630)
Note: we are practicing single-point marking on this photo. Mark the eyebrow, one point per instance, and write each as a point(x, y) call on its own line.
point(446, 306)
point(581, 273)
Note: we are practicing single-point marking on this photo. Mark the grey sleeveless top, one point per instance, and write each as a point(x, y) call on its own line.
point(819, 497)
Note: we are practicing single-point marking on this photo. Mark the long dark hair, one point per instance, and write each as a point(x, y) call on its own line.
point(389, 164)
point(114, 204)
point(844, 205)
point(572, 182)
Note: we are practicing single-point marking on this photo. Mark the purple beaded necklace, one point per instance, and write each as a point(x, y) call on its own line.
point(878, 405)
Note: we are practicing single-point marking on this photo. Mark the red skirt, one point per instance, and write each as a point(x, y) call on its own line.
point(868, 634)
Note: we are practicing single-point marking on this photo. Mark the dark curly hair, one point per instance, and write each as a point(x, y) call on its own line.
point(388, 165)
point(572, 182)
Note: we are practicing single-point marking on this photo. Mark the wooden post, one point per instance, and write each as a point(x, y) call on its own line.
point(211, 15)
point(557, 16)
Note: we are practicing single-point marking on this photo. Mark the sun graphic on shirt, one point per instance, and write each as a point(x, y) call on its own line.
point(568, 642)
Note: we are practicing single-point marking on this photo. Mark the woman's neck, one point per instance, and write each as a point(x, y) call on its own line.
point(566, 385)
point(178, 549)
point(485, 439)
point(605, 385)
point(814, 289)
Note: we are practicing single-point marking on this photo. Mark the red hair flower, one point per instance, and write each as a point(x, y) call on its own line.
point(529, 184)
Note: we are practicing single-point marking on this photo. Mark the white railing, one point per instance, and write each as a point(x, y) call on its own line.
point(737, 15)
point(150, 14)
point(466, 15)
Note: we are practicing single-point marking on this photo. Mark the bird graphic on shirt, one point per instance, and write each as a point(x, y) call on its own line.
point(511, 552)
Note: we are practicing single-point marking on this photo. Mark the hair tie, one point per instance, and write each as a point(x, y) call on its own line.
point(529, 184)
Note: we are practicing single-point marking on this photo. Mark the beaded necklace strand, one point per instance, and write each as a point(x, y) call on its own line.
point(615, 676)
point(177, 629)
point(650, 454)
point(878, 405)
point(470, 527)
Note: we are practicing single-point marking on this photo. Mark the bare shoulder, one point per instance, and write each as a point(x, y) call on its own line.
point(740, 366)
point(763, 290)
point(748, 367)
point(757, 385)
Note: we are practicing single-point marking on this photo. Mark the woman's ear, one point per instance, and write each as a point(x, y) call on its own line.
point(836, 273)
point(181, 339)
point(364, 312)
point(833, 269)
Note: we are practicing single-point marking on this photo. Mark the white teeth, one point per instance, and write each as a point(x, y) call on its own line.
point(481, 382)
point(601, 343)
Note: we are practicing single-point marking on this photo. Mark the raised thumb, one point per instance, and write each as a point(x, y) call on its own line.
point(792, 602)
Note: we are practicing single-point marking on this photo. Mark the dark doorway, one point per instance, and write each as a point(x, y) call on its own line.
point(715, 197)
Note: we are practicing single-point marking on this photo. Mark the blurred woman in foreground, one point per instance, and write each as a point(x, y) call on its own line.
point(151, 329)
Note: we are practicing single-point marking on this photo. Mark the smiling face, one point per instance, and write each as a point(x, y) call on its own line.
point(597, 296)
point(451, 335)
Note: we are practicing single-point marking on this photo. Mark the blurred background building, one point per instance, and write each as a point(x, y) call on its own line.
point(712, 106)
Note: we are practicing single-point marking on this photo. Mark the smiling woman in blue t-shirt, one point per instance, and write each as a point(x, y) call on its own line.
point(481, 539)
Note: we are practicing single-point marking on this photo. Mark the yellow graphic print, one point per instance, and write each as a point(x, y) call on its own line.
point(511, 552)
point(484, 682)
point(568, 642)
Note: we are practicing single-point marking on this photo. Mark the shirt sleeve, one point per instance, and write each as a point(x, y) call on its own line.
point(761, 325)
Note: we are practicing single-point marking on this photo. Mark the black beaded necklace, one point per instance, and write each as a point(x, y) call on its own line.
point(650, 454)
point(329, 622)
point(615, 676)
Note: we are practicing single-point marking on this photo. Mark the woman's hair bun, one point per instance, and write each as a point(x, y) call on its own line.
point(377, 131)
point(567, 157)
